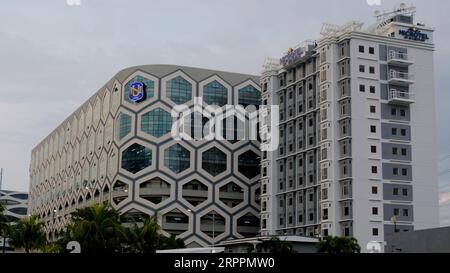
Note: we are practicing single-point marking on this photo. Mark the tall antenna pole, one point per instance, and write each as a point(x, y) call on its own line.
point(1, 177)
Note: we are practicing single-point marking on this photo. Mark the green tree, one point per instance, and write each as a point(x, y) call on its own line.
point(4, 226)
point(50, 247)
point(171, 242)
point(275, 245)
point(146, 237)
point(338, 245)
point(27, 234)
point(97, 228)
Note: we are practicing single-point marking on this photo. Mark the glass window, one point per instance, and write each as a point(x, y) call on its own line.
point(156, 122)
point(405, 192)
point(177, 158)
point(214, 161)
point(249, 164)
point(374, 190)
point(123, 125)
point(374, 211)
point(249, 96)
point(136, 158)
point(179, 90)
point(198, 125)
point(20, 196)
point(20, 211)
point(375, 232)
point(149, 87)
point(404, 172)
point(215, 93)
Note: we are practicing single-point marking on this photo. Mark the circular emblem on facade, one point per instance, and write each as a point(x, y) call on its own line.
point(136, 92)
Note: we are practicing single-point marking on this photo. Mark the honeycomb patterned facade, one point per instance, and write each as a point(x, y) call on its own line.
point(120, 150)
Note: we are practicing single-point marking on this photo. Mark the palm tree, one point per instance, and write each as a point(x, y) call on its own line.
point(144, 237)
point(97, 228)
point(171, 242)
point(338, 245)
point(27, 234)
point(275, 245)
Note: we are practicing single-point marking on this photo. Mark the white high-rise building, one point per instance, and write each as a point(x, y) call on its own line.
point(357, 153)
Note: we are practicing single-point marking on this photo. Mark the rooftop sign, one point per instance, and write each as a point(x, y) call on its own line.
point(291, 56)
point(414, 34)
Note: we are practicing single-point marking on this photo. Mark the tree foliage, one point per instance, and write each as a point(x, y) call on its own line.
point(337, 245)
point(97, 228)
point(27, 234)
point(275, 245)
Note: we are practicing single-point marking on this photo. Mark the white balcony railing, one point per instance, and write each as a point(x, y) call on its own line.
point(400, 97)
point(402, 76)
point(393, 55)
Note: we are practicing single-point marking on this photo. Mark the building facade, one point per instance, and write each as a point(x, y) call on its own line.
point(15, 205)
point(357, 152)
point(118, 147)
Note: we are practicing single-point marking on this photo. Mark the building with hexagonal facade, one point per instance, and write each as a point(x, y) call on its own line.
point(118, 148)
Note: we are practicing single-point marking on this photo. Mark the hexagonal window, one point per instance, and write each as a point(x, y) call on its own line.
point(195, 192)
point(179, 90)
point(248, 225)
point(155, 190)
point(156, 122)
point(136, 158)
point(233, 129)
point(177, 158)
point(123, 126)
point(249, 164)
point(214, 161)
point(214, 93)
point(231, 194)
point(119, 192)
point(175, 222)
point(138, 90)
point(195, 125)
point(212, 224)
point(249, 95)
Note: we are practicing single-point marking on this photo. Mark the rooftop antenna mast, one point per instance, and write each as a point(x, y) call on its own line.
point(402, 9)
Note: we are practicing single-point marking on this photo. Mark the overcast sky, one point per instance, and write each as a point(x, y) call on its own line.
point(54, 56)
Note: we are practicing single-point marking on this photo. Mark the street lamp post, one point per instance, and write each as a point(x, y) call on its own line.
point(213, 231)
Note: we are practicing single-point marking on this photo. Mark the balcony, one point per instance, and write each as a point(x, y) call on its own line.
point(400, 78)
point(398, 59)
point(400, 97)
